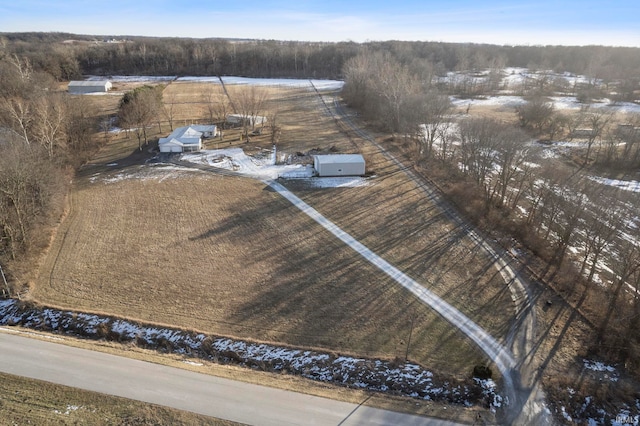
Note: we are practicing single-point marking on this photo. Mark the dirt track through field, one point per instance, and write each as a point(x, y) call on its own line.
point(499, 354)
point(527, 399)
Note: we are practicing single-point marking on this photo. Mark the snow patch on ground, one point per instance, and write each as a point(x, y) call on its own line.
point(286, 82)
point(399, 378)
point(157, 172)
point(627, 185)
point(263, 167)
point(609, 372)
point(566, 103)
point(196, 364)
point(504, 101)
point(69, 409)
point(133, 78)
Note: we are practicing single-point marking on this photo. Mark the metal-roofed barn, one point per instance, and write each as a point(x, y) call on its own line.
point(339, 165)
point(97, 86)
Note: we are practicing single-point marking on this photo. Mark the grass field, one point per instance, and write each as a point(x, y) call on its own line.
point(226, 255)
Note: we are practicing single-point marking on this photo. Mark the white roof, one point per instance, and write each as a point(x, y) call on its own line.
point(170, 141)
point(189, 135)
point(339, 158)
point(204, 127)
point(94, 83)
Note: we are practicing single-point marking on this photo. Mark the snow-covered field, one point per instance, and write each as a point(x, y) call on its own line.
point(627, 185)
point(274, 82)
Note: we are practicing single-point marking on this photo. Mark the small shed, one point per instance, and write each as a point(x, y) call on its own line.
point(186, 139)
point(98, 86)
point(339, 165)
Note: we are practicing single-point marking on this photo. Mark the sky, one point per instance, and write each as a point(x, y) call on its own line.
point(539, 22)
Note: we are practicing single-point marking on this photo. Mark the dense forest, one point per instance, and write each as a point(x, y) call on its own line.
point(68, 56)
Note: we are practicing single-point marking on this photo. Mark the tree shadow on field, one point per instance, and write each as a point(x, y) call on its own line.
point(321, 293)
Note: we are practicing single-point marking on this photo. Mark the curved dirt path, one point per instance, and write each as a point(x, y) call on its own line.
point(527, 400)
point(502, 357)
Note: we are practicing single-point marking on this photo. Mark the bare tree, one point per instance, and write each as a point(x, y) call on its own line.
point(571, 201)
point(436, 107)
point(477, 149)
point(28, 181)
point(625, 264)
point(629, 134)
point(217, 102)
point(138, 109)
point(602, 224)
point(274, 124)
point(358, 73)
point(49, 122)
point(395, 85)
point(385, 91)
point(536, 114)
point(17, 114)
point(250, 103)
point(597, 121)
point(511, 154)
point(22, 66)
point(169, 107)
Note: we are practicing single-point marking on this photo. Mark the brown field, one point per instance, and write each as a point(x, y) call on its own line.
point(26, 401)
point(228, 256)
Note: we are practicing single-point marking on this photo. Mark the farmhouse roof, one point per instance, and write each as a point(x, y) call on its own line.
point(189, 135)
point(202, 128)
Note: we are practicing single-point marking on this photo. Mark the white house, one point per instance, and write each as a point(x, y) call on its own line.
point(186, 139)
point(207, 130)
point(239, 119)
point(80, 87)
point(339, 165)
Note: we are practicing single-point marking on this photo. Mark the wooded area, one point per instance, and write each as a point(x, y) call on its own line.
point(487, 166)
point(68, 56)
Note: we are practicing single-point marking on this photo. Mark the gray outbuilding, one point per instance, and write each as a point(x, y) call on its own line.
point(97, 86)
point(339, 165)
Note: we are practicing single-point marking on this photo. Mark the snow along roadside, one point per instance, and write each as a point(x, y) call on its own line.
point(500, 355)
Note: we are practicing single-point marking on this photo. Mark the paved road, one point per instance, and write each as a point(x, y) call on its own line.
point(185, 390)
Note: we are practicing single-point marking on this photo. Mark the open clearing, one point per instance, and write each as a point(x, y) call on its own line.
point(226, 255)
point(268, 273)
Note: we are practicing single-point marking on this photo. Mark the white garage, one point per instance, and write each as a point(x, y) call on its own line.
point(97, 86)
point(339, 165)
